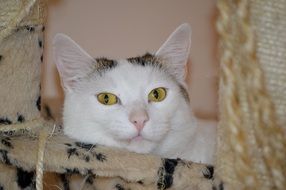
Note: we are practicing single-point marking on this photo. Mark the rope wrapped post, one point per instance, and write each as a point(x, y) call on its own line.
point(251, 146)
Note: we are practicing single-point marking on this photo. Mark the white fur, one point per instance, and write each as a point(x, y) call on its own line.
point(172, 131)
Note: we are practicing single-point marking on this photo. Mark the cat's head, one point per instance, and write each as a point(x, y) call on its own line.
point(131, 103)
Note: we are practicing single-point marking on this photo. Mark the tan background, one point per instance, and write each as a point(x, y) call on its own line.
point(119, 29)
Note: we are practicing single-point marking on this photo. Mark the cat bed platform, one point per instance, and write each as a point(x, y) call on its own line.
point(67, 156)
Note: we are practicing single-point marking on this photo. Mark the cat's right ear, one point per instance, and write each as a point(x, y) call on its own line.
point(176, 50)
point(71, 60)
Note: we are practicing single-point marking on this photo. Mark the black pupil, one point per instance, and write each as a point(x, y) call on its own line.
point(106, 98)
point(156, 94)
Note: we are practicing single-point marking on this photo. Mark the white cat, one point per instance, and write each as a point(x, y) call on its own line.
point(140, 104)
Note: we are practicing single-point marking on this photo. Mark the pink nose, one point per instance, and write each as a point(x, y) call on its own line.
point(139, 118)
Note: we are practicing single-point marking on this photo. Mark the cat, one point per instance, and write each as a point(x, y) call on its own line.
point(140, 104)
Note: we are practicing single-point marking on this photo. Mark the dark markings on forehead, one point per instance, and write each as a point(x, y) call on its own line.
point(146, 60)
point(184, 93)
point(149, 59)
point(103, 64)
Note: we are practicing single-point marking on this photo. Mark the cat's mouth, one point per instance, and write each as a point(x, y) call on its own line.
point(137, 138)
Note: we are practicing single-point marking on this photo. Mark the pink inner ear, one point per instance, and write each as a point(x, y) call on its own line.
point(186, 71)
point(176, 51)
point(71, 60)
point(68, 84)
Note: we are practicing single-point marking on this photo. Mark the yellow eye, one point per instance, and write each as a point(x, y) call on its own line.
point(107, 98)
point(157, 95)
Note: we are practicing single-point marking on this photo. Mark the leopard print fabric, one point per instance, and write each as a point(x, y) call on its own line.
point(96, 166)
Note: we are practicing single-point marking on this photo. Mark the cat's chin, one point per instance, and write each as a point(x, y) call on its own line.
point(140, 145)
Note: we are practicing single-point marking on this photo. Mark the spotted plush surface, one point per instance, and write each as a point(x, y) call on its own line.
point(68, 157)
point(20, 65)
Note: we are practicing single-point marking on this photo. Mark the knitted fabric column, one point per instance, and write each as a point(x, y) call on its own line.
point(269, 20)
point(251, 145)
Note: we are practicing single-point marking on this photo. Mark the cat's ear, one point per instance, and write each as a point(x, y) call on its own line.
point(175, 51)
point(71, 60)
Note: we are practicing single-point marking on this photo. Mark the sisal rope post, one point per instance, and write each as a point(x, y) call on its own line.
point(251, 146)
point(40, 159)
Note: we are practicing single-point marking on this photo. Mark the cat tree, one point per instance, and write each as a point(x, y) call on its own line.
point(251, 149)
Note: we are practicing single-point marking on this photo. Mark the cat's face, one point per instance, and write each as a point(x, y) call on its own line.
point(124, 103)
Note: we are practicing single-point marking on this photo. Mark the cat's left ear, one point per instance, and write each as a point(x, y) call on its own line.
point(175, 51)
point(71, 60)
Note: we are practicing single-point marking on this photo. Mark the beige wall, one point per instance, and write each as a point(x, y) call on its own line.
point(119, 29)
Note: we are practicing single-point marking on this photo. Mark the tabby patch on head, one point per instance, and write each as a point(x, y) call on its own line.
point(131, 103)
point(146, 60)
